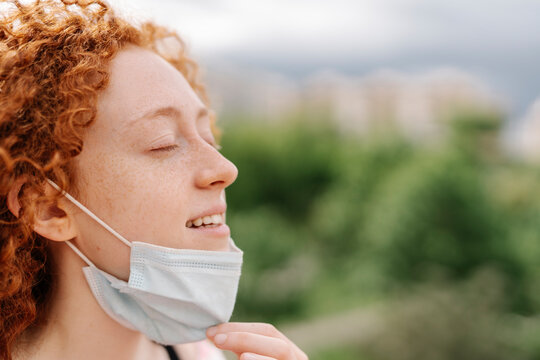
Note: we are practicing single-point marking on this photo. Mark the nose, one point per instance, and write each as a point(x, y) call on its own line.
point(216, 171)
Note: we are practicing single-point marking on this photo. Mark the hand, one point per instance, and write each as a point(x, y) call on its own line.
point(254, 341)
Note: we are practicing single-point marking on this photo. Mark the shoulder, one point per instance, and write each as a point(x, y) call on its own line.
point(201, 350)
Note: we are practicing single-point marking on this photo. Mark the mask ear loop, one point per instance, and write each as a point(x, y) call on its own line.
point(81, 255)
point(89, 213)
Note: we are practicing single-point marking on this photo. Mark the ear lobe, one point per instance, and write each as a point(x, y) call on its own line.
point(51, 222)
point(55, 228)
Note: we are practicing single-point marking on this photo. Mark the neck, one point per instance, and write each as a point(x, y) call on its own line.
point(77, 326)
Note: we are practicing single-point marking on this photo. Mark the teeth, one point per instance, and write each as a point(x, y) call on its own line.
point(215, 219)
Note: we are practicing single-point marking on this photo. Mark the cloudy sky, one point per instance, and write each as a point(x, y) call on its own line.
point(496, 40)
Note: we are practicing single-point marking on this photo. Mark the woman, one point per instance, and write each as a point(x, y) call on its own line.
point(113, 242)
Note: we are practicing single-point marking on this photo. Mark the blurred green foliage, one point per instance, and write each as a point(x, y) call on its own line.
point(330, 220)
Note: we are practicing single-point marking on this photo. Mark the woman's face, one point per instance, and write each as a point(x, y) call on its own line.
point(148, 165)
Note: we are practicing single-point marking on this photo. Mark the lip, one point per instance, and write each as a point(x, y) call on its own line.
point(218, 231)
point(212, 211)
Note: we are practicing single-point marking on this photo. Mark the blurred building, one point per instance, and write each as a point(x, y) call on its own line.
point(259, 94)
point(415, 104)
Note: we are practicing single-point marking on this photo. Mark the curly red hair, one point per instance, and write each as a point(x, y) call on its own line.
point(53, 63)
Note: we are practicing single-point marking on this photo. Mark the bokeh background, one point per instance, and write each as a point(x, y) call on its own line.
point(388, 198)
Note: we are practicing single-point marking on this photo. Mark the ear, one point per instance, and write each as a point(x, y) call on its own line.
point(13, 196)
point(53, 222)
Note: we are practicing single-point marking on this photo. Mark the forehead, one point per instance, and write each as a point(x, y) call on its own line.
point(141, 81)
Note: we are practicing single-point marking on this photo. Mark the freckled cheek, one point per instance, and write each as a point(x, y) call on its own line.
point(167, 200)
point(155, 194)
point(107, 184)
point(159, 190)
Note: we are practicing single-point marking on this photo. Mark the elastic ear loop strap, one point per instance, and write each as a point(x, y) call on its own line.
point(89, 213)
point(78, 252)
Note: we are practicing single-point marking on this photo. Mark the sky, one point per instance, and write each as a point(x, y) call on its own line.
point(497, 41)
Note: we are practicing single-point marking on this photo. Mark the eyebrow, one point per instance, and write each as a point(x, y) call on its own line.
point(170, 111)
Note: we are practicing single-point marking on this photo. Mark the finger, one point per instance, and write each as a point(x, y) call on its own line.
point(256, 328)
point(251, 356)
point(244, 342)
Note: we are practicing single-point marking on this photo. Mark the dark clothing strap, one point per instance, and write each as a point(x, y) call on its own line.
point(172, 353)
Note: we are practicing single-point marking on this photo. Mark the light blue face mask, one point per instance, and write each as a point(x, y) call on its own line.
point(173, 295)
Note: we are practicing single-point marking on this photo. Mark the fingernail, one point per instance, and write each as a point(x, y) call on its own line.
point(211, 331)
point(220, 339)
point(248, 356)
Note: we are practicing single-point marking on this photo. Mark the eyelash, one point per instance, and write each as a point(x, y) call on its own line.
point(166, 148)
point(174, 146)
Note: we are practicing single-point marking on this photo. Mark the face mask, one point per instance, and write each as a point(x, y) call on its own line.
point(173, 295)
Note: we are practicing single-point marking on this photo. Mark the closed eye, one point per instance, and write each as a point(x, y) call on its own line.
point(166, 148)
point(174, 146)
